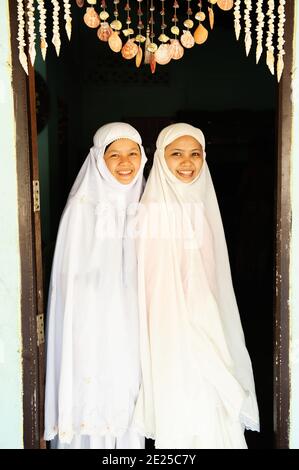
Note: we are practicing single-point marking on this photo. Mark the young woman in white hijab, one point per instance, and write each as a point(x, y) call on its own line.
point(93, 360)
point(197, 383)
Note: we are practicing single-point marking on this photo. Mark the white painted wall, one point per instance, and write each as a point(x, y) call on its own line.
point(11, 404)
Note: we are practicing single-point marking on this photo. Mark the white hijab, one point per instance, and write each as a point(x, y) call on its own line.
point(93, 370)
point(198, 387)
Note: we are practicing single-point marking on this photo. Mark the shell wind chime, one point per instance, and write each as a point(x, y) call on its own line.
point(139, 41)
point(144, 47)
point(266, 12)
point(27, 12)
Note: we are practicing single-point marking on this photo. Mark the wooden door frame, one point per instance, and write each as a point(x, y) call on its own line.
point(283, 230)
point(29, 235)
point(30, 245)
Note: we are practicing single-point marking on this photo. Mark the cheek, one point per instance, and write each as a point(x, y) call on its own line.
point(199, 164)
point(111, 165)
point(172, 164)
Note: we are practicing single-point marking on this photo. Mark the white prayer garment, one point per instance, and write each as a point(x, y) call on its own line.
point(93, 360)
point(197, 383)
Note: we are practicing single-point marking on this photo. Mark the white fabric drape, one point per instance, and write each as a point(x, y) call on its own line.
point(93, 365)
point(197, 383)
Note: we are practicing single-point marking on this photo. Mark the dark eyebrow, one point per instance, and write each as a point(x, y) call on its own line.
point(117, 151)
point(182, 150)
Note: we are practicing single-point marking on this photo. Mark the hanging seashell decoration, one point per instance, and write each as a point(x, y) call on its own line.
point(56, 32)
point(248, 40)
point(281, 41)
point(265, 28)
point(237, 16)
point(269, 16)
point(201, 33)
point(259, 29)
point(21, 36)
point(68, 18)
point(31, 30)
point(42, 27)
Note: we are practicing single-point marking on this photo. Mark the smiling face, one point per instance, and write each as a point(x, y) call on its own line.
point(123, 159)
point(184, 158)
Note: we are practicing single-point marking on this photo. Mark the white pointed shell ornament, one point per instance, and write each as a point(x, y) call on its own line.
point(163, 54)
point(104, 31)
point(187, 39)
point(91, 18)
point(130, 49)
point(176, 49)
point(114, 41)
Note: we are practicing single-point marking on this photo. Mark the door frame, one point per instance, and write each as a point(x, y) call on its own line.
point(283, 231)
point(30, 245)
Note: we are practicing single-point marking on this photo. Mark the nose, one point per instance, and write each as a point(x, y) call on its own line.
point(187, 159)
point(125, 158)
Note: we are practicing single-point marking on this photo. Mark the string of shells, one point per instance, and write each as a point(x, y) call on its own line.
point(171, 41)
point(266, 12)
point(32, 16)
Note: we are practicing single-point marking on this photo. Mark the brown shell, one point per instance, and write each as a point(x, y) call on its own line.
point(225, 4)
point(139, 55)
point(187, 39)
point(211, 17)
point(104, 32)
point(91, 18)
point(200, 34)
point(153, 62)
point(176, 50)
point(80, 3)
point(130, 49)
point(114, 41)
point(162, 54)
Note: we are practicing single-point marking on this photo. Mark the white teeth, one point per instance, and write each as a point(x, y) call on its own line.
point(186, 172)
point(125, 172)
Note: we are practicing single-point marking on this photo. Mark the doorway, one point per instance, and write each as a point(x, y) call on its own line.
point(235, 104)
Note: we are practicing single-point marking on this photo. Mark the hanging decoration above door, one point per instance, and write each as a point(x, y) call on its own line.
point(138, 29)
point(162, 43)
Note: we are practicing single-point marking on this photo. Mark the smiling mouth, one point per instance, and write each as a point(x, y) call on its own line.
point(185, 173)
point(125, 173)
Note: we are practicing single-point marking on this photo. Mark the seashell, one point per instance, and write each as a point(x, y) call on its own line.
point(139, 55)
point(163, 38)
point(225, 4)
point(152, 47)
point(104, 15)
point(211, 17)
point(92, 2)
point(116, 24)
point(187, 39)
point(130, 49)
point(114, 41)
point(200, 16)
point(91, 18)
point(176, 50)
point(175, 30)
point(162, 54)
point(213, 1)
point(153, 63)
point(200, 34)
point(80, 3)
point(104, 31)
point(140, 38)
point(128, 32)
point(188, 24)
